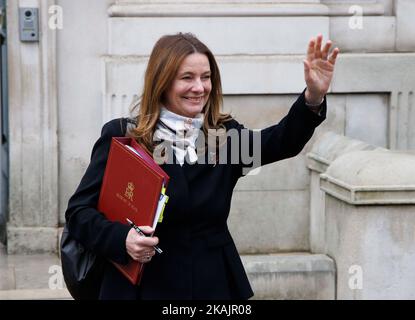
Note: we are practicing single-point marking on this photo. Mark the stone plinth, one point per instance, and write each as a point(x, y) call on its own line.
point(370, 225)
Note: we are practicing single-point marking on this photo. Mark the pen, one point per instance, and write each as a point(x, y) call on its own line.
point(158, 250)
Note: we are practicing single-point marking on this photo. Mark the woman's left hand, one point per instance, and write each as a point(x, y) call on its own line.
point(318, 69)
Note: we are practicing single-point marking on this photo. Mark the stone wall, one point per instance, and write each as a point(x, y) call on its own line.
point(97, 65)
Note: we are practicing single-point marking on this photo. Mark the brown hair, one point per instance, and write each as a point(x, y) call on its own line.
point(165, 60)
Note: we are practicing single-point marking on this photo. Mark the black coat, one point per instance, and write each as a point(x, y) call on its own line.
point(200, 260)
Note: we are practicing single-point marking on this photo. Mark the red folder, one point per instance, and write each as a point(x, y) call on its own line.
point(131, 188)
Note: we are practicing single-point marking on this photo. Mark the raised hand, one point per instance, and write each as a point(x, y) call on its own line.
point(318, 69)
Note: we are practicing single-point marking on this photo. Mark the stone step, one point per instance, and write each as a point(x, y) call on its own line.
point(272, 276)
point(35, 294)
point(291, 276)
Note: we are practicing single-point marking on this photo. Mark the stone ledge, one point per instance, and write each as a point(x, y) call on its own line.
point(216, 10)
point(355, 73)
point(237, 8)
point(291, 276)
point(365, 196)
point(371, 177)
point(368, 9)
point(32, 240)
point(212, 1)
point(330, 146)
point(35, 294)
point(288, 262)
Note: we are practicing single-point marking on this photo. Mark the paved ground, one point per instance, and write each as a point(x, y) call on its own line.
point(31, 277)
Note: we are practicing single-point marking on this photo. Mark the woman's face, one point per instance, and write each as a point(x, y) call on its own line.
point(190, 90)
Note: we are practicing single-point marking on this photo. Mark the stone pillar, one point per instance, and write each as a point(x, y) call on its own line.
point(370, 224)
point(405, 35)
point(323, 152)
point(33, 135)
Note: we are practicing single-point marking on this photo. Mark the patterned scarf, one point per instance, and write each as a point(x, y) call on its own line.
point(181, 132)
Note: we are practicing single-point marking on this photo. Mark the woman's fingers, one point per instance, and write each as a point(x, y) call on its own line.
point(147, 241)
point(146, 257)
point(143, 254)
point(317, 52)
point(333, 56)
point(146, 252)
point(140, 247)
point(311, 49)
point(144, 260)
point(326, 49)
point(147, 230)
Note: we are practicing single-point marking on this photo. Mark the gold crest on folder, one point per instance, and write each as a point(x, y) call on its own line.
point(129, 191)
